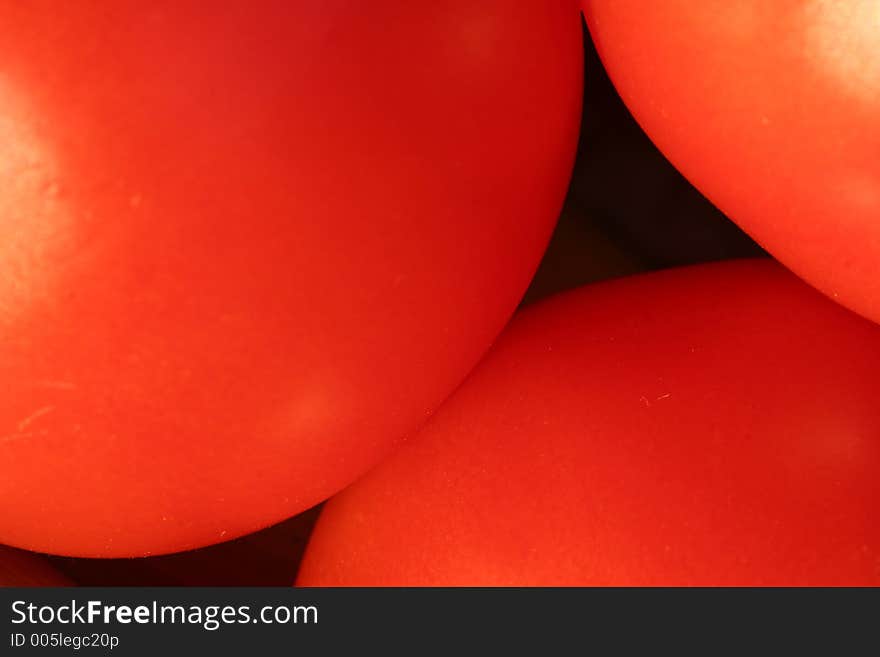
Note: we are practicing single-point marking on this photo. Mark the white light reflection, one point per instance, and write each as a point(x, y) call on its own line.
point(33, 215)
point(843, 40)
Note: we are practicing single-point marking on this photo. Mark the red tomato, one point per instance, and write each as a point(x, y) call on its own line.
point(20, 568)
point(245, 249)
point(712, 425)
point(771, 109)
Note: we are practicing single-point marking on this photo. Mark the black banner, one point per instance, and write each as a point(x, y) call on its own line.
point(153, 621)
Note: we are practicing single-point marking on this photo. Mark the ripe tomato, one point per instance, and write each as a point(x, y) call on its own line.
point(20, 568)
point(245, 248)
point(712, 425)
point(771, 109)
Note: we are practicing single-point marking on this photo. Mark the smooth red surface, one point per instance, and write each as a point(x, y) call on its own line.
point(245, 250)
point(713, 425)
point(771, 109)
point(20, 568)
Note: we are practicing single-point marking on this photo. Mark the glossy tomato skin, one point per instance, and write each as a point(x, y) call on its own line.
point(246, 250)
point(712, 425)
point(770, 109)
point(20, 568)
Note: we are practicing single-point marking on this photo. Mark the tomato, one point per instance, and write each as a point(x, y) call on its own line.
point(245, 250)
point(771, 110)
point(710, 425)
point(20, 568)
